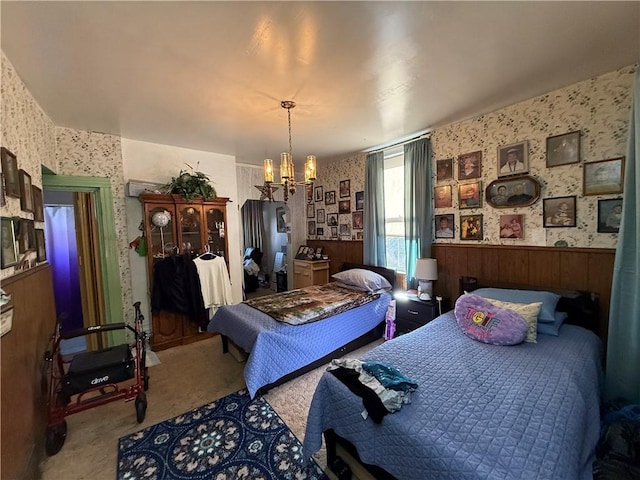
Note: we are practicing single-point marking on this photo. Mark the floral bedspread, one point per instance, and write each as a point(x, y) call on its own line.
point(310, 304)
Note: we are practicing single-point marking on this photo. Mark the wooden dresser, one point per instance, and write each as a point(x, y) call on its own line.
point(307, 272)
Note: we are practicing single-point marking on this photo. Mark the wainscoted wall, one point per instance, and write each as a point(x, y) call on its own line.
point(589, 269)
point(598, 107)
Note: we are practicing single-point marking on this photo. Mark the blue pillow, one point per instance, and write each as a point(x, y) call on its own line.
point(554, 327)
point(549, 300)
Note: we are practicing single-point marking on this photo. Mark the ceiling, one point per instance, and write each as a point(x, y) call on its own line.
point(211, 75)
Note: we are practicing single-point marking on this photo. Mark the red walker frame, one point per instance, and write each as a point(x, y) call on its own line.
point(61, 405)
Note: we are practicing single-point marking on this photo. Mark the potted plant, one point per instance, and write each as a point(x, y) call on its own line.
point(191, 184)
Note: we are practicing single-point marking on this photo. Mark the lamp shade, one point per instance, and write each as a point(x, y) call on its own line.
point(426, 269)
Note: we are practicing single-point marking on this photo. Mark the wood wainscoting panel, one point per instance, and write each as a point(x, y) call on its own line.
point(23, 402)
point(589, 269)
point(339, 252)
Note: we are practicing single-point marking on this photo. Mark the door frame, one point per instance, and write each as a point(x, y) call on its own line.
point(108, 241)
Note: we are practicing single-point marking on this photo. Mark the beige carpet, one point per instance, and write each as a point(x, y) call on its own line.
point(187, 377)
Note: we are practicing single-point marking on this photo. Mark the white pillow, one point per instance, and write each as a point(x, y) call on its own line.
point(528, 311)
point(365, 280)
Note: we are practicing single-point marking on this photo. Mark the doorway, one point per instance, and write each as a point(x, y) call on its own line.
point(81, 212)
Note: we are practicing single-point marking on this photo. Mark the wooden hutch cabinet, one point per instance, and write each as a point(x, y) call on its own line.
point(188, 226)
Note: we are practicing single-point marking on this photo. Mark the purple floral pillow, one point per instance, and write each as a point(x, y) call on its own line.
point(481, 320)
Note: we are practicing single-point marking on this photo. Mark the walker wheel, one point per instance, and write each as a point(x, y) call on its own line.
point(141, 407)
point(55, 437)
point(145, 379)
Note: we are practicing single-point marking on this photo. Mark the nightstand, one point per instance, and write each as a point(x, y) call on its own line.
point(412, 313)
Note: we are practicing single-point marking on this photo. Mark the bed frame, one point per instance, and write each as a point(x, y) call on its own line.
point(371, 336)
point(581, 306)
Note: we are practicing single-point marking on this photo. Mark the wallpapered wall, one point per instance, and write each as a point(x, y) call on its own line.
point(28, 133)
point(598, 107)
point(100, 155)
point(351, 169)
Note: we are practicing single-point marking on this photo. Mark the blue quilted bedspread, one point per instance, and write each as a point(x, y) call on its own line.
point(529, 411)
point(277, 349)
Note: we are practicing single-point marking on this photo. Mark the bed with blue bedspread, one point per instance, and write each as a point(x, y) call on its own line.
point(528, 411)
point(279, 351)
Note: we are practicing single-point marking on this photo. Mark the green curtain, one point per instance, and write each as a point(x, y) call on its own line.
point(374, 247)
point(417, 203)
point(623, 343)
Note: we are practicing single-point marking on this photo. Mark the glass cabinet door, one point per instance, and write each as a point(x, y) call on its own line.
point(216, 231)
point(161, 241)
point(190, 229)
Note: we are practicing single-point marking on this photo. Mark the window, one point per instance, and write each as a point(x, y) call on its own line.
point(394, 208)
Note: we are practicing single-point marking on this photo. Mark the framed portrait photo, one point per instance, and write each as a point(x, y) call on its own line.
point(609, 215)
point(604, 176)
point(442, 196)
point(512, 226)
point(318, 194)
point(38, 206)
point(344, 206)
point(559, 212)
point(308, 189)
point(444, 225)
point(345, 188)
point(332, 219)
point(302, 252)
point(8, 254)
point(444, 169)
point(311, 210)
point(41, 251)
point(26, 192)
point(319, 232)
point(320, 215)
point(311, 228)
point(469, 195)
point(360, 200)
point(563, 149)
point(470, 227)
point(470, 165)
point(356, 221)
point(345, 230)
point(513, 159)
point(517, 191)
point(10, 172)
point(330, 197)
point(334, 232)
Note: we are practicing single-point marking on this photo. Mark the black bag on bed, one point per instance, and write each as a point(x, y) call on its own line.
point(100, 367)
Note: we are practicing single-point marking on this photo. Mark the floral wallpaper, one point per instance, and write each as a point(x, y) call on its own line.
point(598, 108)
point(28, 133)
point(100, 155)
point(345, 177)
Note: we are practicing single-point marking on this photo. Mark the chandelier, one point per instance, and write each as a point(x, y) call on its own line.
point(287, 172)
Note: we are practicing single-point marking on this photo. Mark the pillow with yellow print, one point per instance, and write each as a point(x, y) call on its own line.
point(528, 311)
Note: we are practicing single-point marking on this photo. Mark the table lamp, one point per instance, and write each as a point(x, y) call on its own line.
point(426, 272)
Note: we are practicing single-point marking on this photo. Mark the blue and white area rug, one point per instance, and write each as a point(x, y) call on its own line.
point(234, 437)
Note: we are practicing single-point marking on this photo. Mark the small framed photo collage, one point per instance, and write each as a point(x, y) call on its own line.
point(335, 214)
point(460, 177)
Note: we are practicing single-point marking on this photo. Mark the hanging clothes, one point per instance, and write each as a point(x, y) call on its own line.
point(214, 280)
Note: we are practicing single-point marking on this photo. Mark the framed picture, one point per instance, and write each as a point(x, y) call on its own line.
point(332, 219)
point(38, 207)
point(345, 188)
point(469, 195)
point(41, 251)
point(359, 235)
point(360, 200)
point(308, 189)
point(512, 226)
point(513, 159)
point(559, 212)
point(470, 227)
point(281, 224)
point(604, 176)
point(344, 206)
point(609, 215)
point(345, 230)
point(318, 194)
point(357, 220)
point(319, 250)
point(330, 197)
point(563, 149)
point(442, 195)
point(311, 210)
point(3, 199)
point(320, 231)
point(311, 228)
point(444, 225)
point(302, 252)
point(9, 254)
point(26, 194)
point(334, 232)
point(444, 169)
point(517, 191)
point(27, 236)
point(470, 165)
point(10, 172)
point(320, 215)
